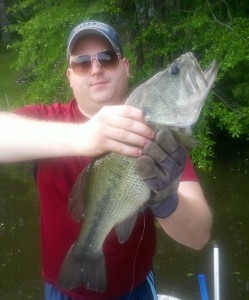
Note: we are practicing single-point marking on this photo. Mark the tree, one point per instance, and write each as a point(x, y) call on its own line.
point(155, 32)
point(4, 23)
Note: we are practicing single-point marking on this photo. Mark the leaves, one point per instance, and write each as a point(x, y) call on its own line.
point(154, 33)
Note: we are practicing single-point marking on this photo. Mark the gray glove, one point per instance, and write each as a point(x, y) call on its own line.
point(161, 167)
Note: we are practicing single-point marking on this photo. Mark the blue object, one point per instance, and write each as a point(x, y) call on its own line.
point(146, 290)
point(203, 287)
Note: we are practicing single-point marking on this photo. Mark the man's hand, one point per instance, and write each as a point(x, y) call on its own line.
point(160, 167)
point(119, 128)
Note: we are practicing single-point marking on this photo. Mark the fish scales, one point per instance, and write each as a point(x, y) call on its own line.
point(110, 188)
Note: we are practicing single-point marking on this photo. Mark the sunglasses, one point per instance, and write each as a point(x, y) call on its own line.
point(107, 59)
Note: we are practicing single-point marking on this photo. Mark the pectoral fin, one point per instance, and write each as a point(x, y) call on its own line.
point(124, 229)
point(76, 202)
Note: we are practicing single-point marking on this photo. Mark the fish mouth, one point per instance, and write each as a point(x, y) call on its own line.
point(201, 82)
point(197, 79)
point(211, 72)
point(210, 69)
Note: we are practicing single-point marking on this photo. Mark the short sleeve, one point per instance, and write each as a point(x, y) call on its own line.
point(189, 173)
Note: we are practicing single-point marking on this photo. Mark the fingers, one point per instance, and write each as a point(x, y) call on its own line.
point(120, 148)
point(166, 140)
point(168, 164)
point(163, 161)
point(155, 151)
point(158, 180)
point(174, 166)
point(125, 126)
point(128, 126)
point(119, 129)
point(180, 157)
point(166, 150)
point(152, 175)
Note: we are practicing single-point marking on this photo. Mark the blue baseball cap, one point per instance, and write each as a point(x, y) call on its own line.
point(94, 27)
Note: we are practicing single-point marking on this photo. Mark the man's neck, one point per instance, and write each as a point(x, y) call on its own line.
point(89, 112)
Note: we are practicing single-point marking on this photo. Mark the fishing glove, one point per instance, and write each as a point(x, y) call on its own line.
point(161, 166)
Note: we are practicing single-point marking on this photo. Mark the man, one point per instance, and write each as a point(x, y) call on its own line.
point(62, 139)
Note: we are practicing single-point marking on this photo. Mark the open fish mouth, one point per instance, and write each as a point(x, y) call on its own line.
point(196, 79)
point(208, 73)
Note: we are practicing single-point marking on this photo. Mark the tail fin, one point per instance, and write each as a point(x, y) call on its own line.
point(70, 272)
point(94, 273)
point(89, 271)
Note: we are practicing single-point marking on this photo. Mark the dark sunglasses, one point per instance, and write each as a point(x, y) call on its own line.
point(107, 59)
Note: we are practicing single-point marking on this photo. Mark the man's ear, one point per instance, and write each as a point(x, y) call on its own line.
point(69, 76)
point(126, 66)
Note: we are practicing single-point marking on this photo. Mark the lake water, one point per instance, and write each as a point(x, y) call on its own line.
point(176, 266)
point(227, 191)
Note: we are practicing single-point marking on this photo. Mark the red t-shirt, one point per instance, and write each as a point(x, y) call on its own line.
point(126, 268)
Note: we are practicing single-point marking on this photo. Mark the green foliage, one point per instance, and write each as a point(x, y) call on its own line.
point(10, 90)
point(154, 32)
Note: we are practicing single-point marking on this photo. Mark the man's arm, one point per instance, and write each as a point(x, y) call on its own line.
point(191, 222)
point(114, 128)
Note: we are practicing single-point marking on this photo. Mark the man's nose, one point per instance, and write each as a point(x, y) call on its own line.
point(96, 67)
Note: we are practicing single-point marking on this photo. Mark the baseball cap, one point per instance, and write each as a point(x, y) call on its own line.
point(94, 27)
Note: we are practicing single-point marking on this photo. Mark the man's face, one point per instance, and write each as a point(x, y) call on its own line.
point(99, 86)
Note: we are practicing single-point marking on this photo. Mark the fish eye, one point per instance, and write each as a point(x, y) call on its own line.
point(174, 70)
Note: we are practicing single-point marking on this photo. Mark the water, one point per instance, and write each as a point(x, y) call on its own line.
point(226, 189)
point(19, 235)
point(176, 266)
